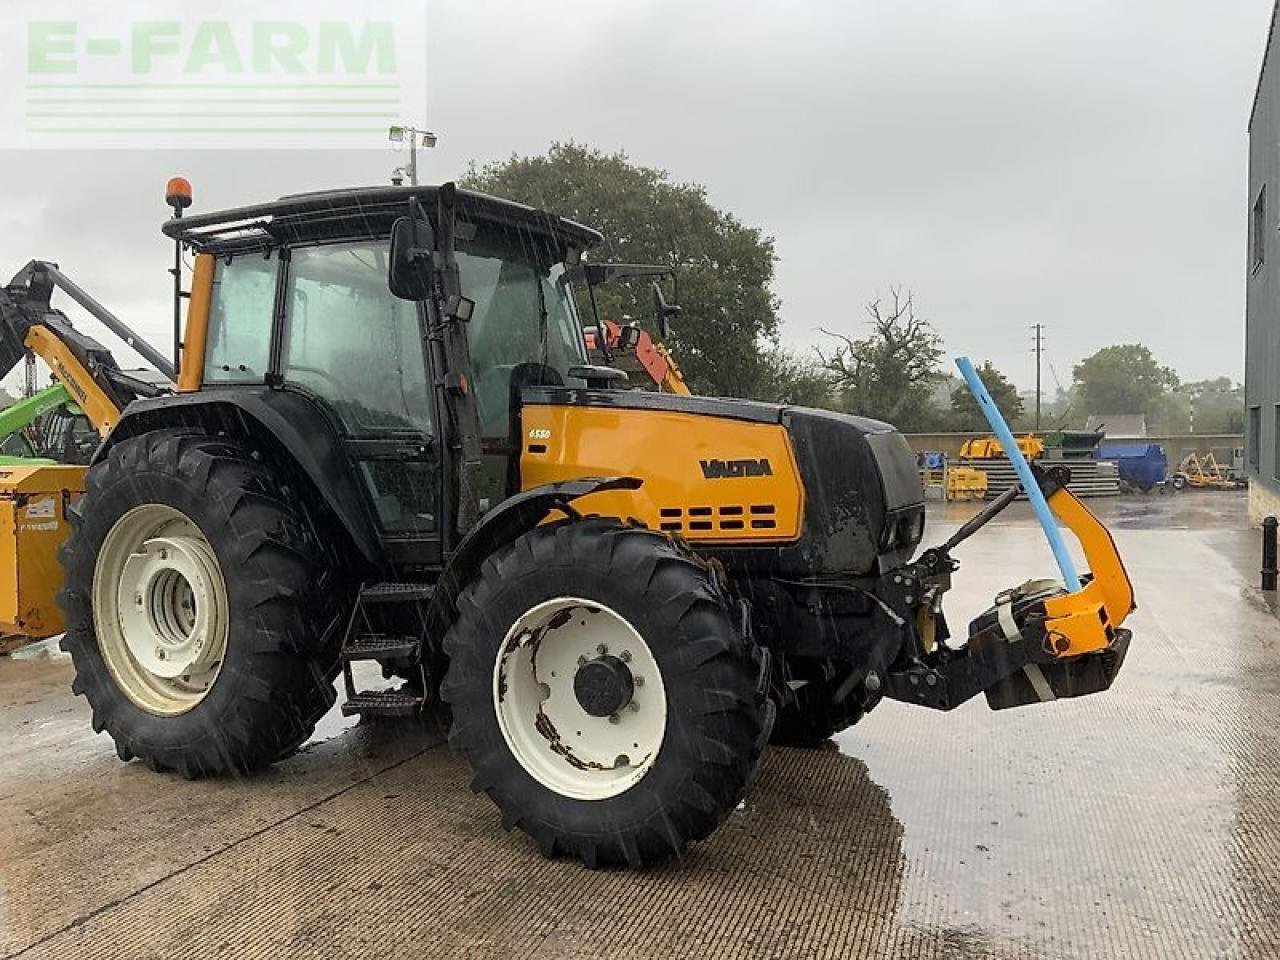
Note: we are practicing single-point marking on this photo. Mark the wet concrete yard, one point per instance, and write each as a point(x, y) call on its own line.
point(1137, 823)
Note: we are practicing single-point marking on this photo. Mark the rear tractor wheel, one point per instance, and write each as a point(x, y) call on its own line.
point(602, 694)
point(201, 614)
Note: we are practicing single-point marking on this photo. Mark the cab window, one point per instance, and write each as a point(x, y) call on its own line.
point(240, 315)
point(348, 340)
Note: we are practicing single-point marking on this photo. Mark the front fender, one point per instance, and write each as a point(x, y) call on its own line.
point(504, 523)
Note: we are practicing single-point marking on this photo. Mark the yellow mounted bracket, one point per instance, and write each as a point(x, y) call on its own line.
point(1086, 621)
point(72, 374)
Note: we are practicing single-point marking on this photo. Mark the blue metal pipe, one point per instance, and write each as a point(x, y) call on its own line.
point(1048, 522)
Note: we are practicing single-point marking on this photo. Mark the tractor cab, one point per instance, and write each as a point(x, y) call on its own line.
point(299, 301)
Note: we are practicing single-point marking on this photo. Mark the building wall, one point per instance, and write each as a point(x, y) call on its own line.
point(1262, 310)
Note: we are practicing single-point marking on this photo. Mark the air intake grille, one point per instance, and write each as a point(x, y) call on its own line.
point(731, 518)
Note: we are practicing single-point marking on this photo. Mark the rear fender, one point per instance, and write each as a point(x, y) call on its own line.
point(299, 429)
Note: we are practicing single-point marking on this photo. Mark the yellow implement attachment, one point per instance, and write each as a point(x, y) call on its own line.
point(33, 524)
point(1085, 621)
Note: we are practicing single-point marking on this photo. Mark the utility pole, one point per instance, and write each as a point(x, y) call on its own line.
point(399, 134)
point(1039, 329)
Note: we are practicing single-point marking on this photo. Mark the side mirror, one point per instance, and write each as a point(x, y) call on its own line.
point(663, 311)
point(628, 337)
point(409, 265)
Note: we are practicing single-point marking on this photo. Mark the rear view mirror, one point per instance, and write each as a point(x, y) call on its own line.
point(409, 265)
point(628, 337)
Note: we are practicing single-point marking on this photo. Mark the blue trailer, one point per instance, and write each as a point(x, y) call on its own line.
point(1140, 465)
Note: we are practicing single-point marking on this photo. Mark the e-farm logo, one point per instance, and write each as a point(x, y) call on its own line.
point(150, 74)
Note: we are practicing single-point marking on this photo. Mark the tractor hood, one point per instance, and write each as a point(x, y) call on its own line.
point(863, 500)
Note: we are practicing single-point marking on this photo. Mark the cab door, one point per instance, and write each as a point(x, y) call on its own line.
point(346, 340)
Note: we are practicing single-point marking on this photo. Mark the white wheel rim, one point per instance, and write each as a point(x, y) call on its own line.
point(160, 609)
point(554, 738)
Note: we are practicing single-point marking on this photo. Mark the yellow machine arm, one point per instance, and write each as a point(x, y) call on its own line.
point(101, 409)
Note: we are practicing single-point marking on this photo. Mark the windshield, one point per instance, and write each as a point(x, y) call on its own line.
point(524, 330)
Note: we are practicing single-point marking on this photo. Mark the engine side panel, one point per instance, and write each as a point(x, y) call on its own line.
point(707, 478)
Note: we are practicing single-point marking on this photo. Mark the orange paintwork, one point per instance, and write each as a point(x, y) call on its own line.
point(667, 450)
point(1083, 618)
point(196, 337)
point(33, 524)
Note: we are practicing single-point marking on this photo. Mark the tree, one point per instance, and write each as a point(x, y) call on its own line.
point(1124, 378)
point(965, 412)
point(1203, 406)
point(888, 375)
point(788, 378)
point(725, 339)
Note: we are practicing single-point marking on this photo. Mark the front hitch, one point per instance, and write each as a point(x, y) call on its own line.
point(1038, 641)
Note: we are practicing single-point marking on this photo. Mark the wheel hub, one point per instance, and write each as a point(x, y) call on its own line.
point(160, 609)
point(165, 605)
point(579, 698)
point(603, 686)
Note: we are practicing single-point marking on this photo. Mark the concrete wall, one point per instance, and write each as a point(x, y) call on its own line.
point(1262, 310)
point(1175, 446)
point(1263, 502)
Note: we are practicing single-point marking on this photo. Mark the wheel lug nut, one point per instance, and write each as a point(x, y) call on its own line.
point(625, 656)
point(582, 660)
point(602, 649)
point(137, 599)
point(638, 680)
point(633, 706)
point(614, 718)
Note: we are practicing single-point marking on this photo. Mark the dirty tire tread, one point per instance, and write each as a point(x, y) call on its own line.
point(679, 605)
point(282, 645)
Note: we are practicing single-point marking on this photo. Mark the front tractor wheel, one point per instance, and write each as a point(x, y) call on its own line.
point(602, 694)
point(200, 609)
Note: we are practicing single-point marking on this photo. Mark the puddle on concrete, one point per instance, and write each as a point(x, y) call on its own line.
point(367, 675)
point(1133, 822)
point(41, 650)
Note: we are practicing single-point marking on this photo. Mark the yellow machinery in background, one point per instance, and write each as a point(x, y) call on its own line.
point(33, 524)
point(954, 483)
point(1203, 472)
point(985, 448)
point(966, 483)
point(35, 496)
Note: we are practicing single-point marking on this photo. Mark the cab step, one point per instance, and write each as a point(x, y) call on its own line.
point(383, 703)
point(395, 592)
point(381, 646)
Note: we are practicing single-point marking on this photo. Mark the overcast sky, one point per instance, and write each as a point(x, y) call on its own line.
point(1079, 164)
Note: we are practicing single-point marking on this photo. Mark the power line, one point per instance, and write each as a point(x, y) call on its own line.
point(1039, 348)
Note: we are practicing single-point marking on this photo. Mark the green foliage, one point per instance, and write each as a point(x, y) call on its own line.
point(888, 375)
point(725, 338)
point(1204, 406)
point(788, 378)
point(1124, 378)
point(965, 412)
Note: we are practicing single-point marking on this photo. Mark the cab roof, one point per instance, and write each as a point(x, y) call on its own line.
point(357, 213)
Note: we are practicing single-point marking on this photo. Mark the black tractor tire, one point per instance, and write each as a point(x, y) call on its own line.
point(811, 718)
point(283, 606)
point(716, 703)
